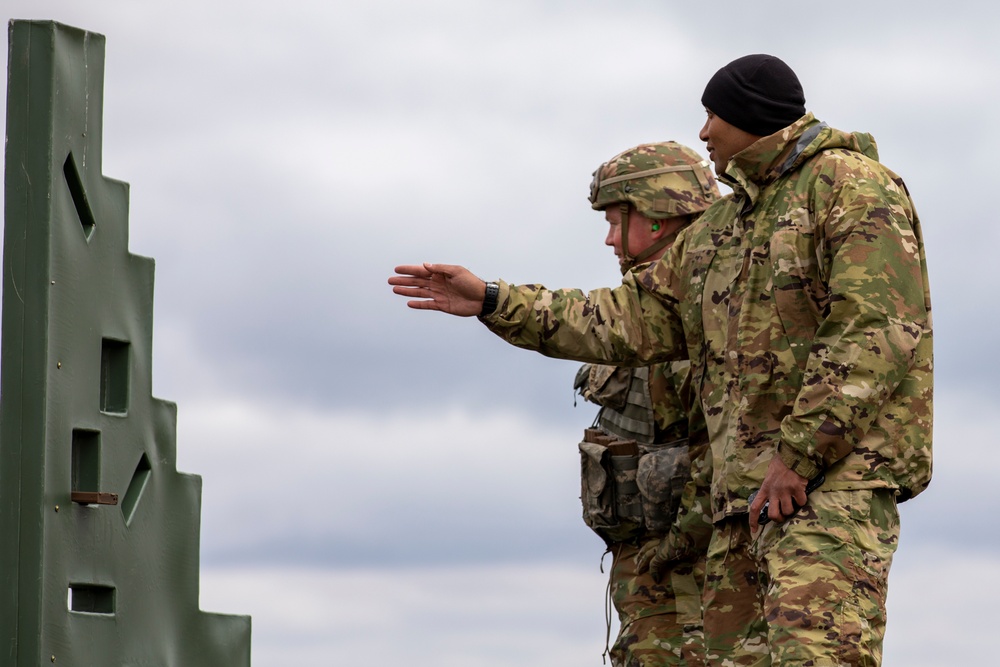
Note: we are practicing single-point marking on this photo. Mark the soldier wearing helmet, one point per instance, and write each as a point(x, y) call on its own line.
point(664, 186)
point(802, 301)
point(637, 456)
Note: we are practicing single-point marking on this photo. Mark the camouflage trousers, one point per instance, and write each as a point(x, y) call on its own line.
point(660, 622)
point(810, 591)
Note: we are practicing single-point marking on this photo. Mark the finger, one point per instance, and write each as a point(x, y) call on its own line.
point(424, 304)
point(642, 562)
point(788, 505)
point(413, 270)
point(755, 506)
point(780, 508)
point(443, 269)
point(448, 271)
point(656, 568)
point(414, 290)
point(409, 281)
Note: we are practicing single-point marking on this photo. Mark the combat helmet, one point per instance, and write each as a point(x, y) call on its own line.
point(661, 180)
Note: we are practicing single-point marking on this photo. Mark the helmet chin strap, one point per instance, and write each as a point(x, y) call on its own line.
point(628, 261)
point(656, 247)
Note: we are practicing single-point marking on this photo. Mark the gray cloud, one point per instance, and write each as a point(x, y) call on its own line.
point(280, 167)
point(283, 159)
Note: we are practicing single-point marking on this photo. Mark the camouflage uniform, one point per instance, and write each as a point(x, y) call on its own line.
point(653, 406)
point(660, 621)
point(802, 301)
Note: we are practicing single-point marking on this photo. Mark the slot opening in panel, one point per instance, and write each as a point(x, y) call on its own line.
point(136, 486)
point(76, 190)
point(91, 598)
point(86, 466)
point(114, 376)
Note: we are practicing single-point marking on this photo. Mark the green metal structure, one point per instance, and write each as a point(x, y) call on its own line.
point(99, 533)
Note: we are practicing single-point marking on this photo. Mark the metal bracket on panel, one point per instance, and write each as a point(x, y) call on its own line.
point(94, 498)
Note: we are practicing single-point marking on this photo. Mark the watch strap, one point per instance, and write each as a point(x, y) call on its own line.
point(490, 300)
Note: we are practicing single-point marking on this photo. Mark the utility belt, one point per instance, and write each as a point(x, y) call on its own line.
point(631, 490)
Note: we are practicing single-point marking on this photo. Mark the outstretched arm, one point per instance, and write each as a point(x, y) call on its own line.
point(606, 326)
point(445, 287)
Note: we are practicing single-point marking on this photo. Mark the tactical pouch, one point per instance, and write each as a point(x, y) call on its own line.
point(662, 473)
point(630, 490)
point(607, 386)
point(609, 492)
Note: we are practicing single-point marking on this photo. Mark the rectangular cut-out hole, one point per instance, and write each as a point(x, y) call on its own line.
point(79, 195)
point(92, 598)
point(114, 376)
point(86, 460)
point(135, 488)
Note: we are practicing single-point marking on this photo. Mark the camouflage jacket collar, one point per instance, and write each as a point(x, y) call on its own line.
point(775, 155)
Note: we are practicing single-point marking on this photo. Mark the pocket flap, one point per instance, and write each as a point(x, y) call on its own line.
point(592, 462)
point(658, 470)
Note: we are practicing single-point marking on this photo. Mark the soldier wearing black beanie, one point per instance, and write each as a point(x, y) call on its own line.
point(801, 300)
point(758, 93)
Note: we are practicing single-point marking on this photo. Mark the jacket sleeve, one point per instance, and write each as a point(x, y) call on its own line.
point(634, 324)
point(878, 320)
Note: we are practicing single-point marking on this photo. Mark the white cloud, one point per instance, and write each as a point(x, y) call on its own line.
point(398, 486)
point(941, 604)
point(940, 607)
point(455, 617)
point(284, 158)
point(429, 461)
point(501, 614)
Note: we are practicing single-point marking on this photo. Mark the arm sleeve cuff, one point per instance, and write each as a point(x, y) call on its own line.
point(797, 462)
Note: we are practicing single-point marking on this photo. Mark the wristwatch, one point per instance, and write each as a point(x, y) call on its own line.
point(490, 300)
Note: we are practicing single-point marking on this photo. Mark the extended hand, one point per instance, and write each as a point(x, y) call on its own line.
point(785, 489)
point(445, 287)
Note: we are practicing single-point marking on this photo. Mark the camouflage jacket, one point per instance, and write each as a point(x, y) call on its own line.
point(666, 411)
point(801, 300)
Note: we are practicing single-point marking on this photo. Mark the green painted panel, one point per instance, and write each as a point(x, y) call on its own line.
point(86, 584)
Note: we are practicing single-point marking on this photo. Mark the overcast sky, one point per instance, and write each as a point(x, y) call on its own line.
point(284, 157)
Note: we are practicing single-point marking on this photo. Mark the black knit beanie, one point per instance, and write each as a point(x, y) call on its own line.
point(759, 94)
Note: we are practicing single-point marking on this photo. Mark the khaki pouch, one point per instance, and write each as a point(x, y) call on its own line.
point(609, 492)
